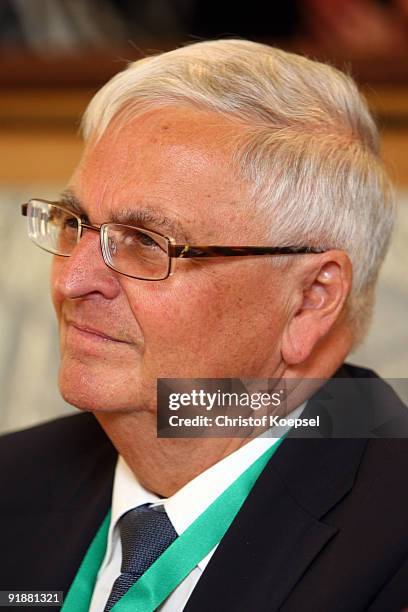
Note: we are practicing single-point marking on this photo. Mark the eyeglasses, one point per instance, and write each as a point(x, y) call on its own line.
point(129, 250)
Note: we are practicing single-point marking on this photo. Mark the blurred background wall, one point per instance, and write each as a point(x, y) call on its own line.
point(54, 54)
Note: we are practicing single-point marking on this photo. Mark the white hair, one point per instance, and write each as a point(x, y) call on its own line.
point(310, 148)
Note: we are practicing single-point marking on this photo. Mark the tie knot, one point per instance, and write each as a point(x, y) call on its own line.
point(145, 533)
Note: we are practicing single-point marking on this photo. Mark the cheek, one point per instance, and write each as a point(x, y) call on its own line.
point(208, 310)
point(174, 309)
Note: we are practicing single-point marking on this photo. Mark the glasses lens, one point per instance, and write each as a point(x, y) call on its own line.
point(135, 252)
point(51, 227)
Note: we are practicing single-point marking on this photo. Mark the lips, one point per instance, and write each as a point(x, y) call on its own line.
point(96, 332)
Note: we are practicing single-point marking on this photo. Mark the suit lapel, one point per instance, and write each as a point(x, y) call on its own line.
point(279, 532)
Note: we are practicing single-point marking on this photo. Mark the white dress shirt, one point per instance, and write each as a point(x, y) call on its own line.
point(182, 508)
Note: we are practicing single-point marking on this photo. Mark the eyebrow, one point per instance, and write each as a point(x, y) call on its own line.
point(142, 216)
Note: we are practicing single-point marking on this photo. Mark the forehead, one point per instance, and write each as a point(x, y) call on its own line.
point(176, 161)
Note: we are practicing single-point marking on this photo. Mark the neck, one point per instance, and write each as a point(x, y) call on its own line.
point(162, 465)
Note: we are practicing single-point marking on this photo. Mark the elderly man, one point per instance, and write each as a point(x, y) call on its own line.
point(228, 219)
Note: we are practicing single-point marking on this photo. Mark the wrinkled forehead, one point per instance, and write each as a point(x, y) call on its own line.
point(174, 162)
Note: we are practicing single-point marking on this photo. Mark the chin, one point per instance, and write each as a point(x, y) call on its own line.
point(96, 388)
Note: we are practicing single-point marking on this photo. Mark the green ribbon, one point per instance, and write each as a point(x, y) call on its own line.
point(177, 561)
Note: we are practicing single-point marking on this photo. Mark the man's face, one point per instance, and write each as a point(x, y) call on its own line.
point(213, 317)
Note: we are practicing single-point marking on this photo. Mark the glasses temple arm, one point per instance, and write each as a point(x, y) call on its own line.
point(188, 251)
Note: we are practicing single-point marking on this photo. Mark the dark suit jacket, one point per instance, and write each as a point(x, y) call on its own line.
point(325, 528)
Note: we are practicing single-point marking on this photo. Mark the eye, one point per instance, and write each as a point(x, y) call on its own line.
point(61, 220)
point(147, 241)
point(71, 223)
point(136, 238)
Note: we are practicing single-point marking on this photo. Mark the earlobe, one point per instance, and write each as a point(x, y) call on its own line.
point(299, 340)
point(319, 306)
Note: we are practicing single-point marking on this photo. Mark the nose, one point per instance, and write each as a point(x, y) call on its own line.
point(84, 272)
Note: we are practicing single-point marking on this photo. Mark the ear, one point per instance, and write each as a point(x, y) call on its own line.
point(323, 286)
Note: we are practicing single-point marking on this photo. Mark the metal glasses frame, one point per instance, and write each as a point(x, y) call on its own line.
point(174, 250)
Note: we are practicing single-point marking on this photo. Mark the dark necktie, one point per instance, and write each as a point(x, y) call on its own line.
point(145, 533)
